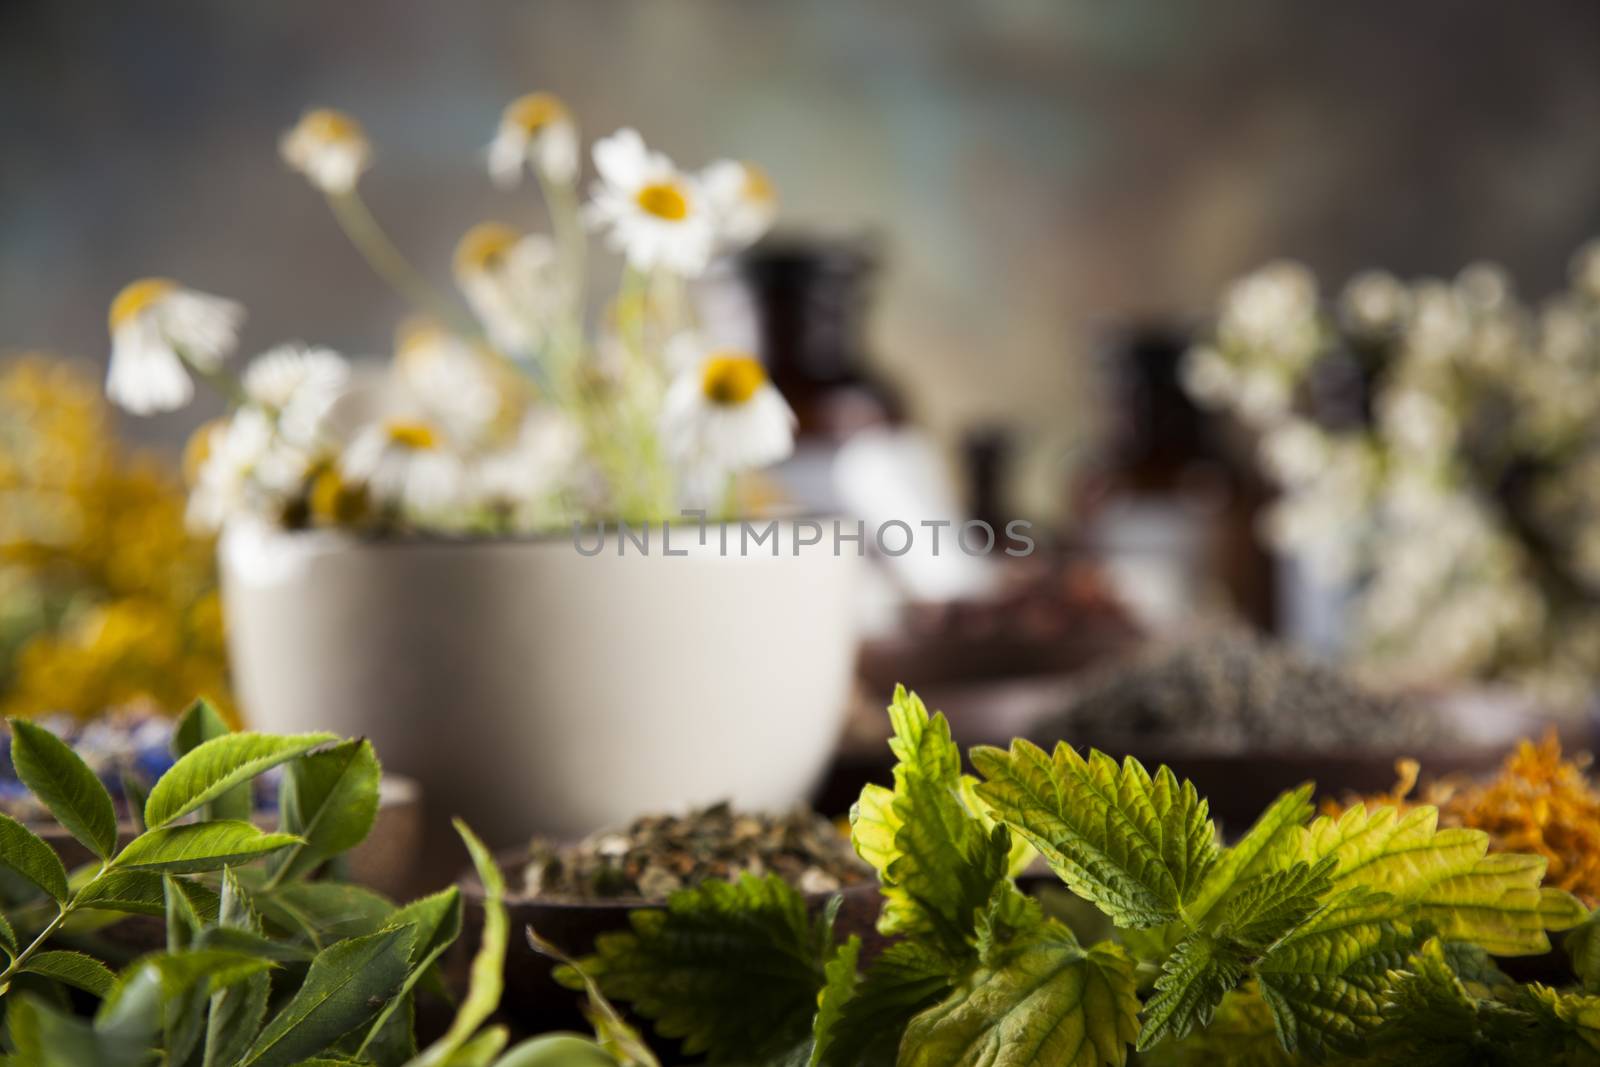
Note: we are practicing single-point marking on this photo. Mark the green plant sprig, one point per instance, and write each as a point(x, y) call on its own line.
point(1366, 938)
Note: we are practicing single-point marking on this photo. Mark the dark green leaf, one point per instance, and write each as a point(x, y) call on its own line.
point(8, 938)
point(1582, 946)
point(346, 986)
point(46, 1037)
point(25, 854)
point(66, 785)
point(218, 765)
point(324, 912)
point(486, 980)
point(1199, 973)
point(75, 969)
point(330, 799)
point(237, 1012)
point(205, 846)
point(144, 893)
point(437, 920)
point(908, 978)
point(732, 969)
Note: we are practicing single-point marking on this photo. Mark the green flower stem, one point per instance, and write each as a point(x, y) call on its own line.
point(62, 911)
point(389, 264)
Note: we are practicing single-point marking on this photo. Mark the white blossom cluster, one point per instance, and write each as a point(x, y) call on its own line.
point(1437, 447)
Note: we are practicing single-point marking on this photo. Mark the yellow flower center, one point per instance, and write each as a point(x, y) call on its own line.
point(758, 185)
point(335, 502)
point(731, 378)
point(136, 298)
point(535, 111)
point(484, 247)
point(328, 126)
point(664, 200)
point(416, 436)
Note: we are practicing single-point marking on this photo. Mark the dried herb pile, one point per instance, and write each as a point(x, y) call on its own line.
point(1540, 802)
point(1232, 691)
point(660, 854)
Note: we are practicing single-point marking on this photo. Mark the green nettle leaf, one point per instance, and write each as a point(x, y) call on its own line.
point(75, 969)
point(1443, 877)
point(1570, 1021)
point(1202, 970)
point(733, 969)
point(1137, 847)
point(218, 765)
point(486, 979)
point(207, 846)
point(1254, 853)
point(1241, 1034)
point(936, 860)
point(22, 851)
point(346, 986)
point(1582, 946)
point(200, 723)
point(144, 893)
point(838, 988)
point(330, 799)
point(1325, 983)
point(908, 978)
point(1042, 1000)
point(1275, 903)
point(66, 785)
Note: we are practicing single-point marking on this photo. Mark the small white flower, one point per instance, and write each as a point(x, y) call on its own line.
point(329, 148)
point(1374, 303)
point(535, 130)
point(656, 214)
point(537, 463)
point(405, 463)
point(743, 199)
point(513, 282)
point(158, 327)
point(725, 415)
point(298, 384)
point(232, 450)
point(449, 382)
point(1274, 308)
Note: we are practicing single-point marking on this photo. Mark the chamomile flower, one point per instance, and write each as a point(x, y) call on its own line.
point(329, 148)
point(405, 463)
point(235, 467)
point(725, 415)
point(743, 199)
point(158, 331)
point(297, 384)
point(452, 383)
point(514, 283)
point(657, 215)
point(537, 131)
point(539, 462)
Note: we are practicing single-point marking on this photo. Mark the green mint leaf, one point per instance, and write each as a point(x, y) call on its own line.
point(206, 846)
point(935, 859)
point(486, 978)
point(1202, 970)
point(329, 798)
point(320, 912)
point(28, 856)
point(866, 1030)
point(1325, 983)
point(1043, 1000)
point(733, 969)
point(1135, 846)
point(144, 893)
point(237, 1012)
point(201, 722)
point(345, 987)
point(66, 785)
point(216, 766)
point(1443, 877)
point(73, 968)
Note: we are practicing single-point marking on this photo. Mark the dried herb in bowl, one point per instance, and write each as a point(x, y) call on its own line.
point(660, 854)
point(1231, 691)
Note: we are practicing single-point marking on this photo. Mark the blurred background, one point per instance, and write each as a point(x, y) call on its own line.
point(1037, 172)
point(1004, 225)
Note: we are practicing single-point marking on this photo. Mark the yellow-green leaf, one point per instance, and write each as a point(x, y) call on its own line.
point(73, 968)
point(206, 846)
point(25, 853)
point(218, 765)
point(66, 785)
